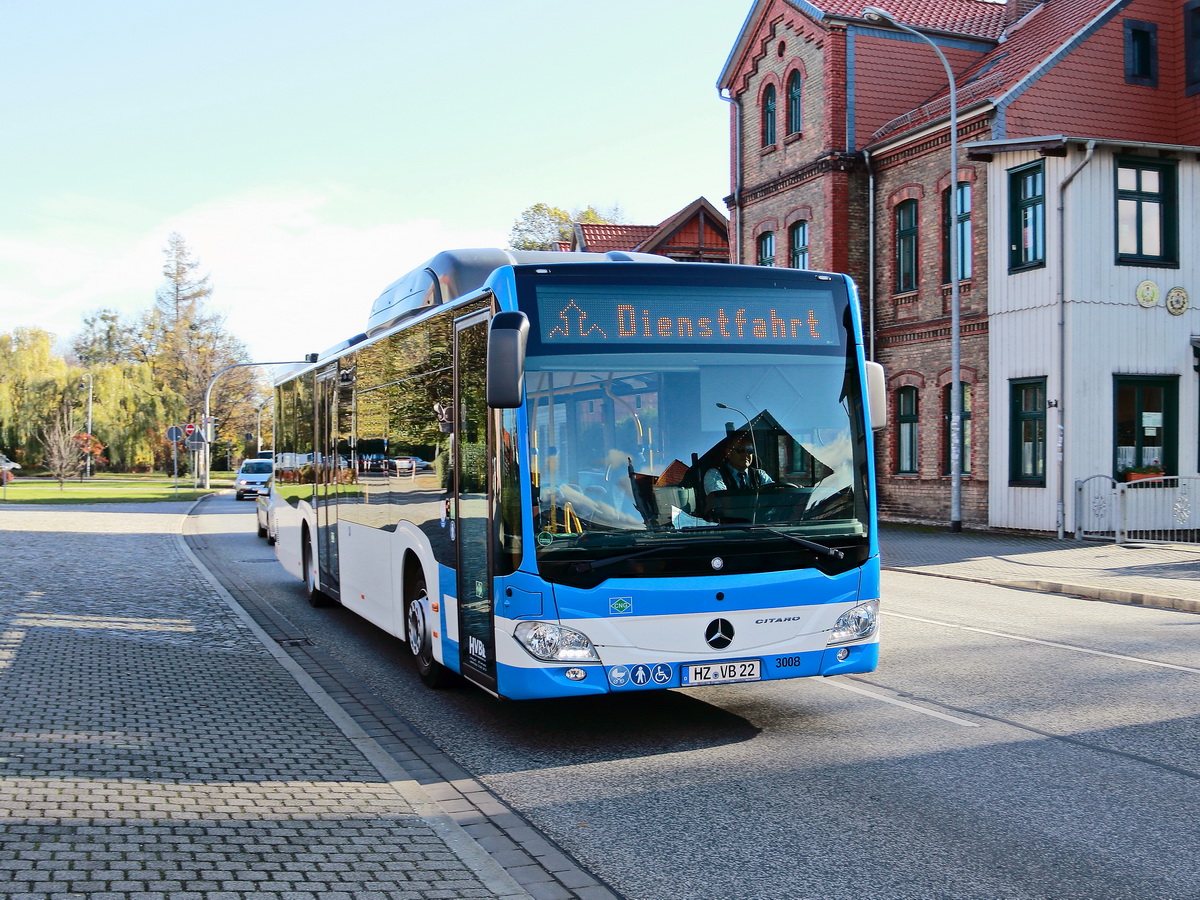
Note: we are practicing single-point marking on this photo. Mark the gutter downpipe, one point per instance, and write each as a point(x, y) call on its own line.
point(737, 173)
point(870, 248)
point(1062, 336)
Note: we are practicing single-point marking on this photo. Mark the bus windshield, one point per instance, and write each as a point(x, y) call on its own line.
point(665, 444)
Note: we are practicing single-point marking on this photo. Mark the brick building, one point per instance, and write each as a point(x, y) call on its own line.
point(840, 161)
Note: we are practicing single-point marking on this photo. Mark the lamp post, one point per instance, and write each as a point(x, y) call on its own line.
point(87, 456)
point(875, 14)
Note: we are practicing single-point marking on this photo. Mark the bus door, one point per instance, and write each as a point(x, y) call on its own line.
point(325, 459)
point(473, 500)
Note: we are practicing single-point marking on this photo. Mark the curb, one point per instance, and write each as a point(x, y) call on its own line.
point(1086, 591)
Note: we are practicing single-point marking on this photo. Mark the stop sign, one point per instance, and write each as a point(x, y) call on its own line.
point(189, 429)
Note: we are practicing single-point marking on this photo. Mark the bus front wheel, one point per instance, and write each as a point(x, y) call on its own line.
point(420, 641)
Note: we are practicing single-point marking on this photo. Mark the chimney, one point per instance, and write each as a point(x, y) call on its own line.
point(1015, 10)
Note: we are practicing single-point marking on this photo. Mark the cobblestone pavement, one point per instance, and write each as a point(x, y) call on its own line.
point(1162, 575)
point(152, 746)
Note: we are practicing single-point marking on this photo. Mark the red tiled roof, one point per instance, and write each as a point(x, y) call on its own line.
point(602, 238)
point(1051, 26)
point(978, 18)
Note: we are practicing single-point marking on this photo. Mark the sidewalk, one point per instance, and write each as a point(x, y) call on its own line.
point(153, 746)
point(1166, 576)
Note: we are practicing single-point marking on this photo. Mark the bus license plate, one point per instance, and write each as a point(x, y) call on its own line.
point(722, 672)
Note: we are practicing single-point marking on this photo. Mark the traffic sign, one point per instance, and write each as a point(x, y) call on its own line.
point(189, 429)
point(174, 434)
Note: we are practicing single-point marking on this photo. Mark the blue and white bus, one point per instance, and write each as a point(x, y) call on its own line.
point(577, 524)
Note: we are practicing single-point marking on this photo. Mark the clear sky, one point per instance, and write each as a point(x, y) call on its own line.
point(312, 152)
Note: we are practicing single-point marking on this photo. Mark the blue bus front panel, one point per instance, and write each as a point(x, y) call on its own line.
point(731, 632)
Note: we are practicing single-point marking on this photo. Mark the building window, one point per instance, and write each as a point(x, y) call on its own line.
point(1027, 217)
point(766, 248)
point(768, 116)
point(907, 408)
point(906, 246)
point(798, 244)
point(795, 107)
point(1145, 424)
point(1141, 53)
point(964, 438)
point(1147, 213)
point(1027, 432)
point(962, 224)
point(1191, 46)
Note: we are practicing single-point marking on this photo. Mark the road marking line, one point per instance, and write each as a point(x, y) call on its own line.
point(1056, 645)
point(892, 700)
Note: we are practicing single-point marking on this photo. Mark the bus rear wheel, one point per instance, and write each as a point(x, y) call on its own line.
point(420, 640)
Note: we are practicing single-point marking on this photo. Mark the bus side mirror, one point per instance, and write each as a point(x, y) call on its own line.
point(507, 337)
point(876, 395)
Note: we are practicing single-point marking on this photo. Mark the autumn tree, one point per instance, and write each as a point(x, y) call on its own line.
point(144, 373)
point(541, 225)
point(103, 340)
point(186, 343)
point(61, 451)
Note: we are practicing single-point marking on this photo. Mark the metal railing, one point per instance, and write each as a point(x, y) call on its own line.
point(1160, 509)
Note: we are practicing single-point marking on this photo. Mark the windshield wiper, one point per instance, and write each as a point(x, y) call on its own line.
point(819, 549)
point(589, 565)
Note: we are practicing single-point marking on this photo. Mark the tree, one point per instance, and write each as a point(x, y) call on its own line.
point(33, 380)
point(186, 344)
point(61, 451)
point(541, 225)
point(103, 340)
point(146, 372)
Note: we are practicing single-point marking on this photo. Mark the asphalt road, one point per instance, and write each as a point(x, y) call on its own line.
point(1012, 744)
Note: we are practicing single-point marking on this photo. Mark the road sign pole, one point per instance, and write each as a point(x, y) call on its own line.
point(175, 435)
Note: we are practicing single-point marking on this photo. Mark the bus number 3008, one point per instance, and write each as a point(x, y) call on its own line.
point(788, 662)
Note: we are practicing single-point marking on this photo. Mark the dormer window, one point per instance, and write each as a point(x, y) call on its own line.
point(1141, 53)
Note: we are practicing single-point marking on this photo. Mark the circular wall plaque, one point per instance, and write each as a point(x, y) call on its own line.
point(1177, 301)
point(1147, 294)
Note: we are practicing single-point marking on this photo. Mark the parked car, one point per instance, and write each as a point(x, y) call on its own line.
point(266, 528)
point(409, 463)
point(6, 469)
point(253, 476)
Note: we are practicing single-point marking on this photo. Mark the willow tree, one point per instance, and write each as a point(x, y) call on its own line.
point(33, 380)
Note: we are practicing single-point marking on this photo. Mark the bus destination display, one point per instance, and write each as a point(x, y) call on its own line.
point(627, 316)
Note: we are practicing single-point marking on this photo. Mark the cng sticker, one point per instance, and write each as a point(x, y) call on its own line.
point(620, 605)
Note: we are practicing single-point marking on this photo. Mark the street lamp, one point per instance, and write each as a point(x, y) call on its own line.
point(87, 456)
point(875, 14)
point(207, 424)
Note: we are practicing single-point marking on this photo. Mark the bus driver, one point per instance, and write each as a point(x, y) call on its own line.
point(737, 470)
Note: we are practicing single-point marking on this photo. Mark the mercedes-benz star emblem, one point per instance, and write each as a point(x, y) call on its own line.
point(719, 634)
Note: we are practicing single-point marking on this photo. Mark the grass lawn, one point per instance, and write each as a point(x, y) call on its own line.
point(108, 488)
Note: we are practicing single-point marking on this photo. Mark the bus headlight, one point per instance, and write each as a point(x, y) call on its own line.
point(856, 624)
point(555, 643)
